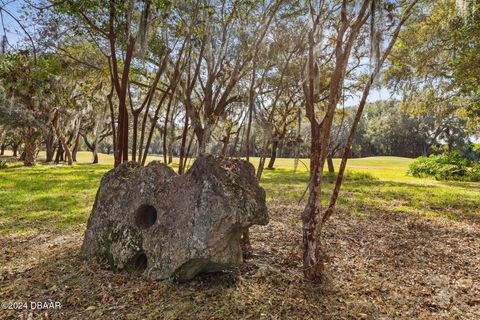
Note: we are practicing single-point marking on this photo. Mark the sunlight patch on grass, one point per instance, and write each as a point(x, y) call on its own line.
point(58, 198)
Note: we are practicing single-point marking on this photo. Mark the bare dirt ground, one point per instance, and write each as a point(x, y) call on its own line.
point(384, 265)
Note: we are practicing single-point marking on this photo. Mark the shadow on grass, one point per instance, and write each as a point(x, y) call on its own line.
point(44, 198)
point(362, 193)
point(60, 198)
point(89, 290)
point(468, 185)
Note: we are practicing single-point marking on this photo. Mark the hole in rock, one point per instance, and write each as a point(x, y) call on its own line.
point(141, 262)
point(146, 216)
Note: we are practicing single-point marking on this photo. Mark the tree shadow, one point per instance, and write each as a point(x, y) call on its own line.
point(89, 289)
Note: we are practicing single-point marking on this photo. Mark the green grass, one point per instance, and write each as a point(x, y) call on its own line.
point(49, 198)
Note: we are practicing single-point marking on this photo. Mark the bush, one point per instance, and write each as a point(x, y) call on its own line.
point(3, 164)
point(447, 166)
point(475, 172)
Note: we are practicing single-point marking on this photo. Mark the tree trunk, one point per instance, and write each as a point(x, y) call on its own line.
point(95, 155)
point(424, 151)
point(135, 135)
point(30, 152)
point(168, 143)
point(273, 156)
point(203, 137)
point(61, 139)
point(312, 249)
point(15, 149)
point(261, 165)
point(182, 146)
point(154, 124)
point(92, 146)
point(251, 107)
point(59, 154)
point(2, 149)
point(313, 255)
point(226, 141)
point(331, 167)
point(116, 158)
point(233, 150)
point(165, 126)
point(263, 158)
point(76, 146)
point(187, 154)
point(49, 148)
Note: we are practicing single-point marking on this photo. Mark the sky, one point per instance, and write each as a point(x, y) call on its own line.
point(13, 30)
point(9, 26)
point(375, 95)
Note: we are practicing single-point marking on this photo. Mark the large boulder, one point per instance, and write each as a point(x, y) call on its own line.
point(151, 220)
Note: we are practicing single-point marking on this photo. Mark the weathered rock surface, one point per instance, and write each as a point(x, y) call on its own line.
point(154, 221)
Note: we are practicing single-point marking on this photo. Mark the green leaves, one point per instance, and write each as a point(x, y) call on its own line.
point(448, 166)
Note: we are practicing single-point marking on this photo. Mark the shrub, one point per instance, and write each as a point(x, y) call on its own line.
point(3, 164)
point(447, 166)
point(475, 172)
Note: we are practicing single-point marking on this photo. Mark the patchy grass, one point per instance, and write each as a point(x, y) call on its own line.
point(400, 247)
point(47, 198)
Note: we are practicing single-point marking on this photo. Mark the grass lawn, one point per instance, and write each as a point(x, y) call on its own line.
point(59, 198)
point(401, 247)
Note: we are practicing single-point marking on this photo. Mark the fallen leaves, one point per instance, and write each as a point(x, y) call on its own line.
point(384, 265)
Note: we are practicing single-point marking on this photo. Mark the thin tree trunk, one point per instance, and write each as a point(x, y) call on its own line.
point(314, 255)
point(50, 150)
point(261, 165)
point(226, 141)
point(94, 149)
point(331, 167)
point(135, 135)
point(188, 152)
point(233, 151)
point(125, 135)
point(154, 122)
point(273, 157)
point(95, 155)
point(263, 158)
point(312, 251)
point(76, 146)
point(15, 149)
point(251, 106)
point(22, 155)
point(165, 126)
point(358, 115)
point(114, 131)
point(171, 139)
point(59, 154)
point(181, 169)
